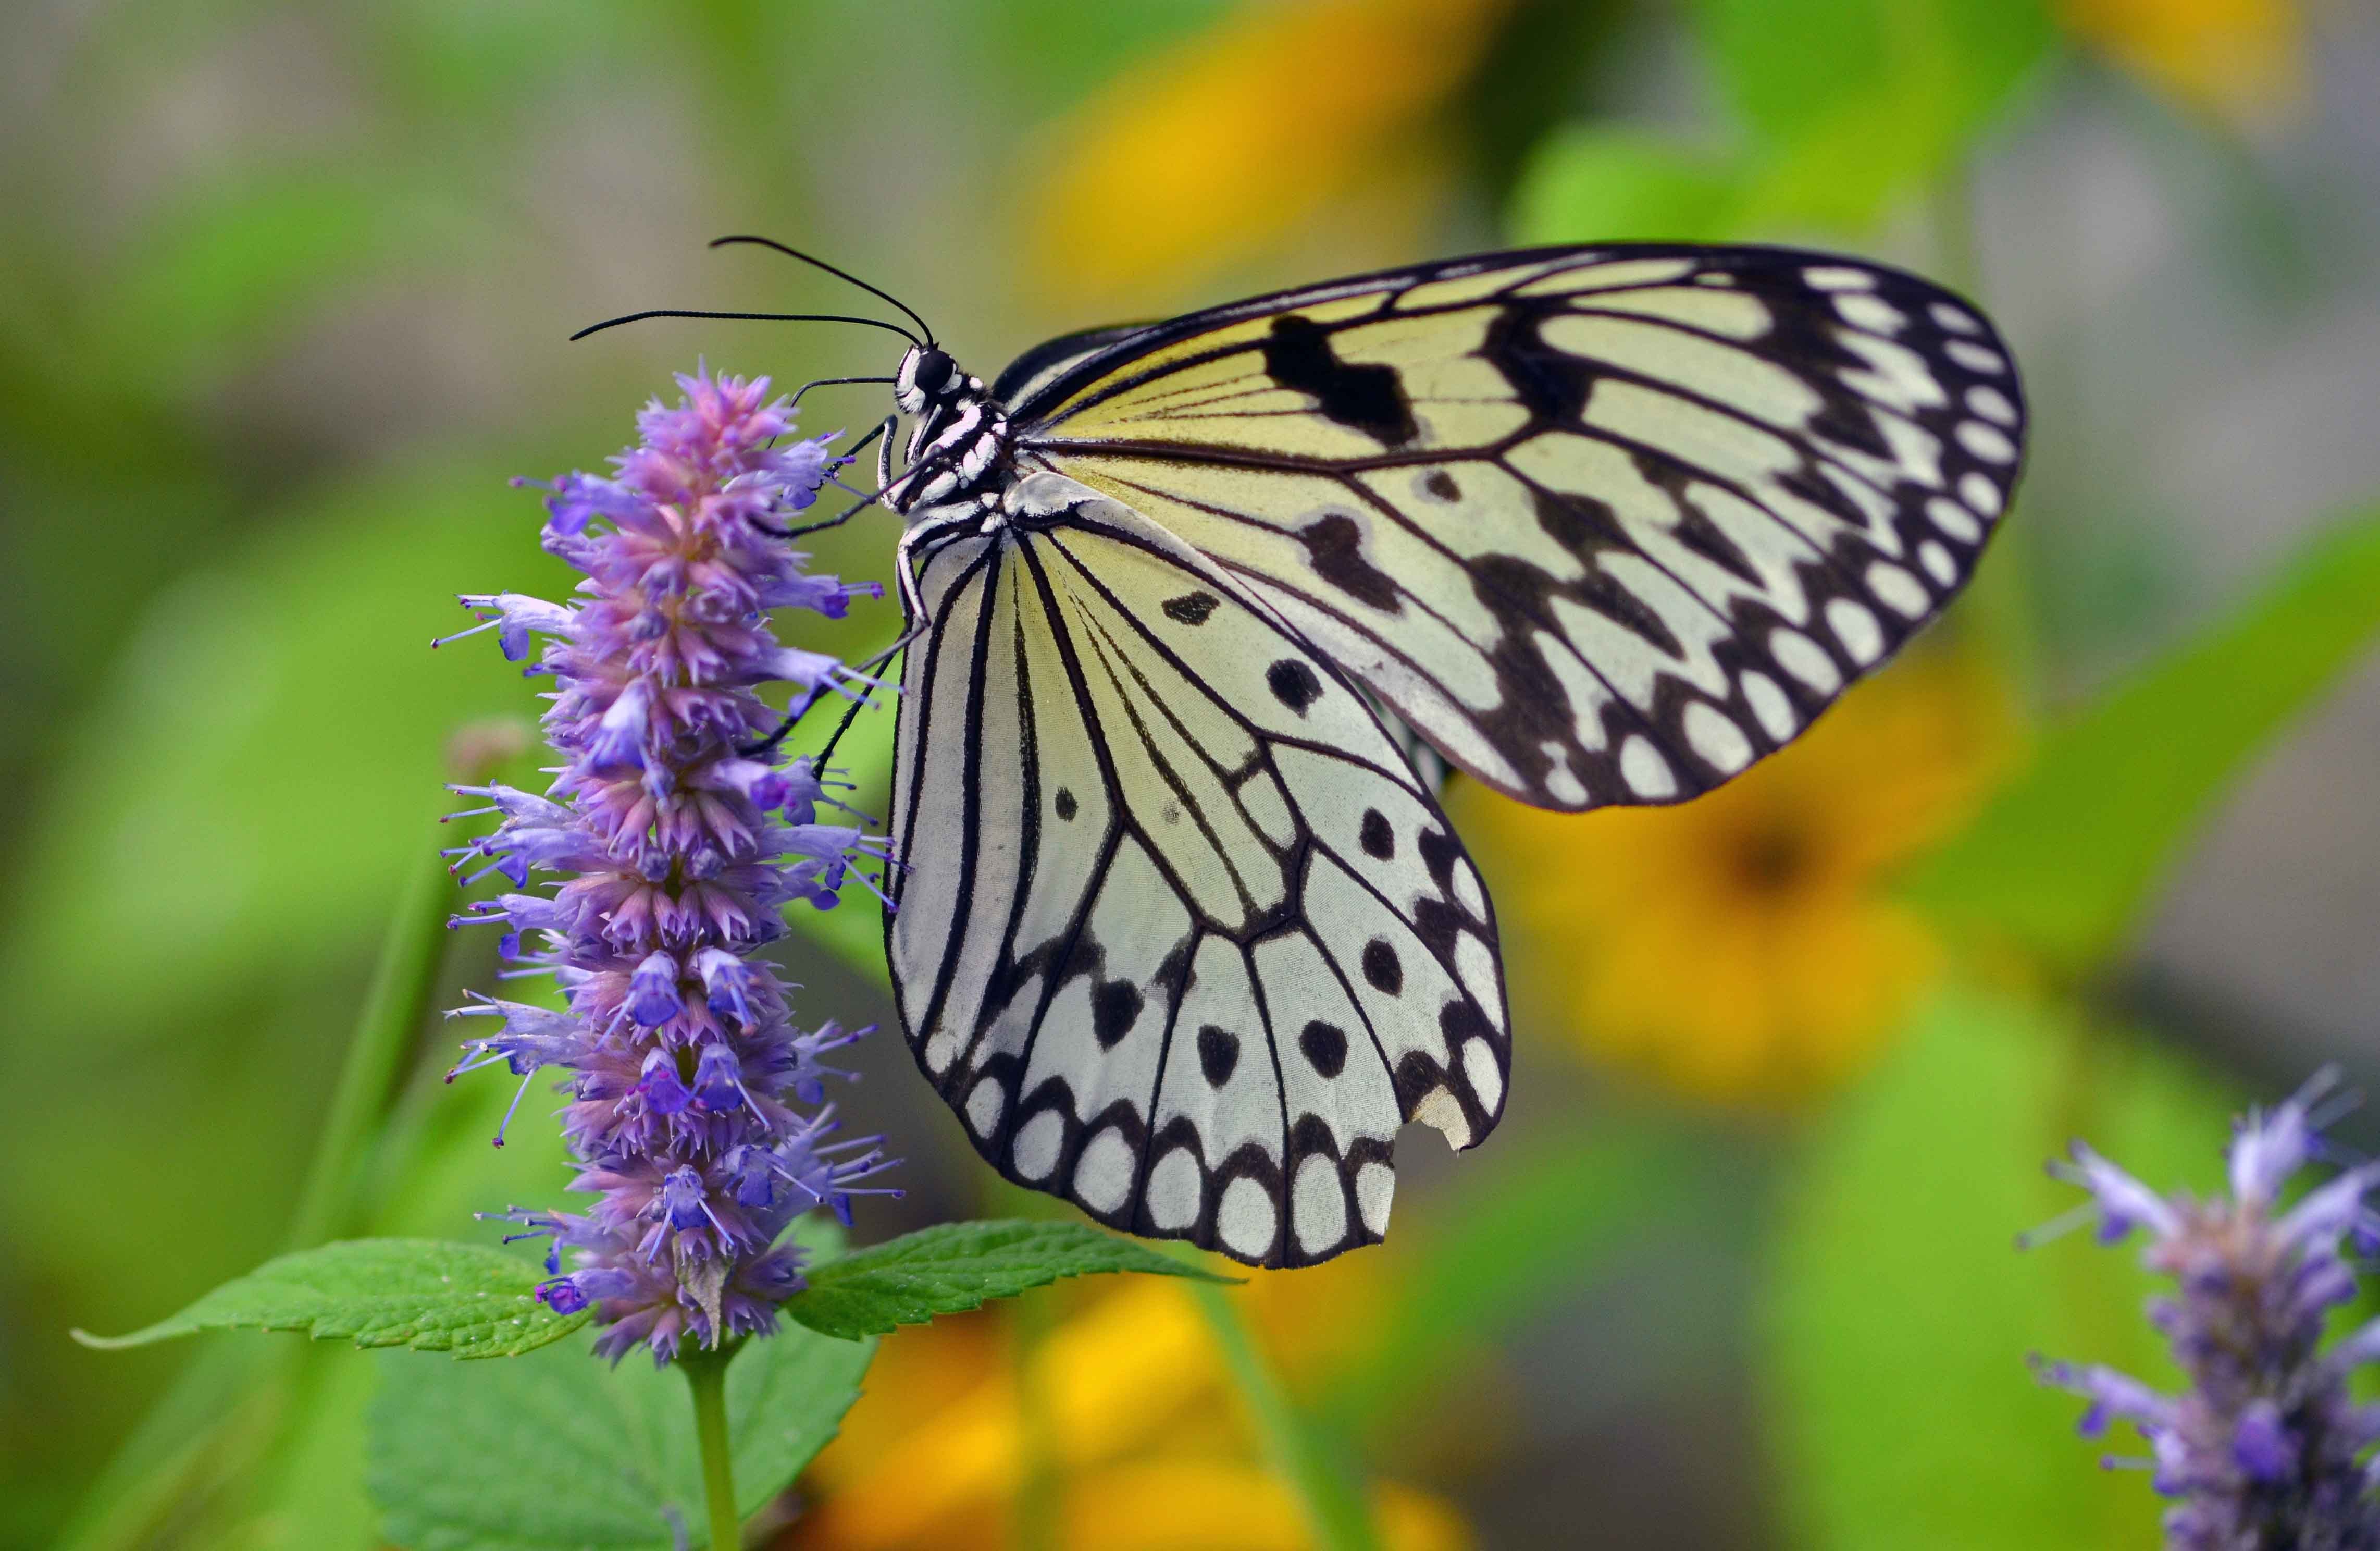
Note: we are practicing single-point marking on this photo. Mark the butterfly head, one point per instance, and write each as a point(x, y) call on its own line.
point(928, 376)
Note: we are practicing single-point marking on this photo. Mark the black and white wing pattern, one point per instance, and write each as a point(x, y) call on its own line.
point(1180, 935)
point(1604, 525)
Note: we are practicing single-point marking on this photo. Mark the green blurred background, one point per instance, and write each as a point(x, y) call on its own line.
point(284, 290)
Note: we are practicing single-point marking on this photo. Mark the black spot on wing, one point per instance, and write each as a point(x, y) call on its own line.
point(1293, 684)
point(1067, 807)
point(1377, 837)
point(1191, 608)
point(1366, 398)
point(1324, 1046)
point(1218, 1054)
point(1115, 1004)
point(1551, 384)
point(1335, 545)
point(1439, 851)
point(1382, 967)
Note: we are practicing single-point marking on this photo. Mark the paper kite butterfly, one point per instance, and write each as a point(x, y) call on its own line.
point(1181, 935)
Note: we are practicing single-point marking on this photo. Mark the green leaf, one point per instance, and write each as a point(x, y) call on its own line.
point(1592, 184)
point(1856, 101)
point(2063, 858)
point(1897, 1312)
point(958, 1266)
point(422, 1293)
point(563, 1453)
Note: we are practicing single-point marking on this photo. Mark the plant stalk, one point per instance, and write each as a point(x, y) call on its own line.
point(403, 986)
point(1313, 1465)
point(706, 1375)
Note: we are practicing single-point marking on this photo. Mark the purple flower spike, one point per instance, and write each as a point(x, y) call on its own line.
point(685, 1070)
point(2263, 1450)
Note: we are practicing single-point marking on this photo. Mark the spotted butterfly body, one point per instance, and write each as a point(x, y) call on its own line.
point(1180, 933)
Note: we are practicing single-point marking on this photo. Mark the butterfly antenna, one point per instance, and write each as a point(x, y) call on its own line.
point(838, 274)
point(747, 317)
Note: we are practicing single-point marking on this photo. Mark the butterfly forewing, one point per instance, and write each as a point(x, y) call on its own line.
point(1180, 936)
point(1605, 526)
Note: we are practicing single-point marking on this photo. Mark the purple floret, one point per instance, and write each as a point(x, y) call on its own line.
point(2264, 1450)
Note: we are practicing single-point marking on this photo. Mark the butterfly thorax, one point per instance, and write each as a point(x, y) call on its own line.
point(958, 440)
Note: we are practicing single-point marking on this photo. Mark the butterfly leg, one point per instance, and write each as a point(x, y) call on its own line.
point(848, 512)
point(768, 746)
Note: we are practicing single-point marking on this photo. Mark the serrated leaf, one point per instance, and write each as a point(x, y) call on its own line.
point(422, 1293)
point(2061, 860)
point(958, 1266)
point(563, 1453)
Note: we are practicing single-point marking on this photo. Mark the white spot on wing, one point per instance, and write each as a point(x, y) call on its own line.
point(1937, 562)
point(1174, 1188)
point(1837, 277)
point(1986, 442)
point(1245, 1220)
point(1992, 404)
point(1467, 892)
point(1855, 627)
point(1954, 519)
point(1975, 358)
point(1475, 966)
point(1805, 660)
point(1479, 1065)
point(1768, 703)
point(983, 1106)
point(1978, 491)
point(1715, 735)
point(1863, 309)
point(1376, 1187)
point(939, 1049)
point(1318, 1206)
point(1103, 1174)
point(1035, 1152)
point(1901, 593)
point(1647, 773)
point(1955, 319)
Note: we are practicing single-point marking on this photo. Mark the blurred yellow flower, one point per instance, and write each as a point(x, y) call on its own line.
point(2243, 58)
point(1219, 144)
point(1138, 1429)
point(1743, 947)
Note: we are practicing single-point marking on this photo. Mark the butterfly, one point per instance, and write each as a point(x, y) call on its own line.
point(1181, 931)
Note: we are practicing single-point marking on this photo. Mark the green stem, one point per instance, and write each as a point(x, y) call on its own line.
point(1039, 1490)
point(1316, 1469)
point(706, 1375)
point(403, 986)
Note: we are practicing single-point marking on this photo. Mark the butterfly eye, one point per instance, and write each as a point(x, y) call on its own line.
point(935, 370)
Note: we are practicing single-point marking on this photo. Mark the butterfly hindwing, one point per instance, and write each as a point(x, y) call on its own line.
point(1603, 525)
point(1180, 936)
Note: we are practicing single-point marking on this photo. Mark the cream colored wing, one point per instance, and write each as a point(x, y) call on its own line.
point(1603, 525)
point(1178, 934)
